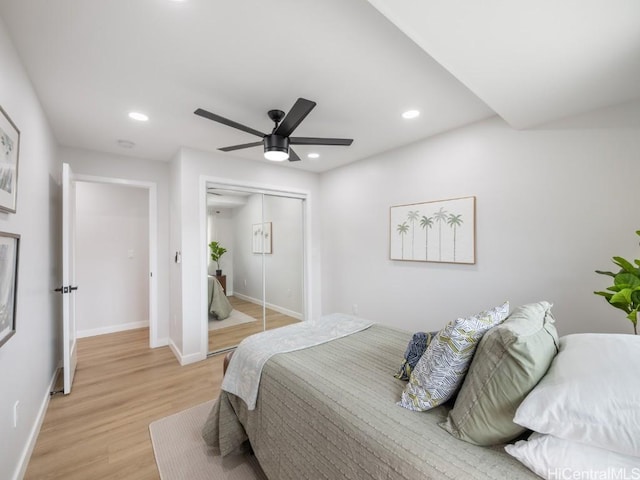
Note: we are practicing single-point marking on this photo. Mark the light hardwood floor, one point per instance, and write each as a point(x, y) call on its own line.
point(233, 335)
point(101, 430)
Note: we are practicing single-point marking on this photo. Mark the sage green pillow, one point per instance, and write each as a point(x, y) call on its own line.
point(510, 360)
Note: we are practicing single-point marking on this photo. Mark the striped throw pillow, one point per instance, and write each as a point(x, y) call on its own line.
point(442, 368)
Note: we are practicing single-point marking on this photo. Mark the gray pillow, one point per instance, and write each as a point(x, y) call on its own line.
point(510, 360)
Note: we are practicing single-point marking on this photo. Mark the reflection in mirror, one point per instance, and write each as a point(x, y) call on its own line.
point(283, 260)
point(261, 234)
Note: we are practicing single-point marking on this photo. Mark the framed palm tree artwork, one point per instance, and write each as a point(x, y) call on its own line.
point(262, 241)
point(9, 152)
point(439, 231)
point(9, 249)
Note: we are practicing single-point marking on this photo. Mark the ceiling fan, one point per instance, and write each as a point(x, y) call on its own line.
point(277, 143)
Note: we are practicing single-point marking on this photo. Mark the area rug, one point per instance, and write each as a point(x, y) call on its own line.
point(235, 318)
point(182, 454)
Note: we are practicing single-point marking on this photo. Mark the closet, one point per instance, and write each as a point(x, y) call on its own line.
point(262, 269)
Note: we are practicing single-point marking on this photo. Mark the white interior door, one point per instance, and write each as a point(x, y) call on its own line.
point(69, 287)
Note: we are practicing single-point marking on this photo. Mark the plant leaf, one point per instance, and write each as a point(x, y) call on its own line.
point(611, 274)
point(630, 280)
point(633, 316)
point(623, 297)
point(624, 264)
point(606, 295)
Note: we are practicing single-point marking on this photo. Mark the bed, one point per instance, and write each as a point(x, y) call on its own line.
point(329, 411)
point(219, 307)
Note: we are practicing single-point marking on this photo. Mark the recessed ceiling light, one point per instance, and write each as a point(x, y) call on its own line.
point(314, 155)
point(411, 114)
point(141, 117)
point(125, 143)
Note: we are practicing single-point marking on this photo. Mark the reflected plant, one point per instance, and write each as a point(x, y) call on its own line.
point(217, 251)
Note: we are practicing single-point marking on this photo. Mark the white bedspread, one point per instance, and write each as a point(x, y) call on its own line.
point(245, 368)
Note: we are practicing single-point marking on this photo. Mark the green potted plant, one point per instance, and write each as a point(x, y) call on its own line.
point(217, 251)
point(625, 291)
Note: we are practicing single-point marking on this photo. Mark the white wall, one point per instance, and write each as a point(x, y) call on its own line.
point(553, 205)
point(85, 162)
point(112, 258)
point(29, 359)
point(192, 168)
point(248, 265)
point(283, 266)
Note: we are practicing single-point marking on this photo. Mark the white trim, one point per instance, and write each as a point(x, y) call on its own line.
point(175, 350)
point(185, 359)
point(152, 187)
point(277, 308)
point(111, 329)
point(21, 470)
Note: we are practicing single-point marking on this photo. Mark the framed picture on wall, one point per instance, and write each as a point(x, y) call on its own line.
point(262, 237)
point(9, 249)
point(9, 153)
point(439, 231)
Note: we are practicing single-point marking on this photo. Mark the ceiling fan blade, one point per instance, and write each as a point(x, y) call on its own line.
point(239, 147)
point(320, 141)
point(298, 112)
point(226, 121)
point(293, 156)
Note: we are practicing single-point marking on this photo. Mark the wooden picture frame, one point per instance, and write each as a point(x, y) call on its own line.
point(9, 156)
point(442, 231)
point(262, 238)
point(9, 254)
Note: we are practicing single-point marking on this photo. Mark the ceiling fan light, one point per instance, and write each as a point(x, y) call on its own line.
point(276, 155)
point(276, 148)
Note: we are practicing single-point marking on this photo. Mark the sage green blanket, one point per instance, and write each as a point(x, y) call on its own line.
point(330, 412)
point(219, 306)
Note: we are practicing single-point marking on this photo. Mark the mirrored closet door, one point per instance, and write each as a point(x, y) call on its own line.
point(255, 266)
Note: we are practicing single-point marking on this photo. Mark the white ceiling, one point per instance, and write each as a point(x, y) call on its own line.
point(531, 61)
point(91, 62)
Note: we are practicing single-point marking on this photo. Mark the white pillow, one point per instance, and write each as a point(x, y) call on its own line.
point(554, 458)
point(591, 393)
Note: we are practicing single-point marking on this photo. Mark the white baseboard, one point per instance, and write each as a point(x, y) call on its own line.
point(161, 342)
point(35, 430)
point(176, 351)
point(277, 308)
point(185, 359)
point(111, 329)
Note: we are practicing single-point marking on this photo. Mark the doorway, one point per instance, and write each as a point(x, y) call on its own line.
point(261, 273)
point(116, 228)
